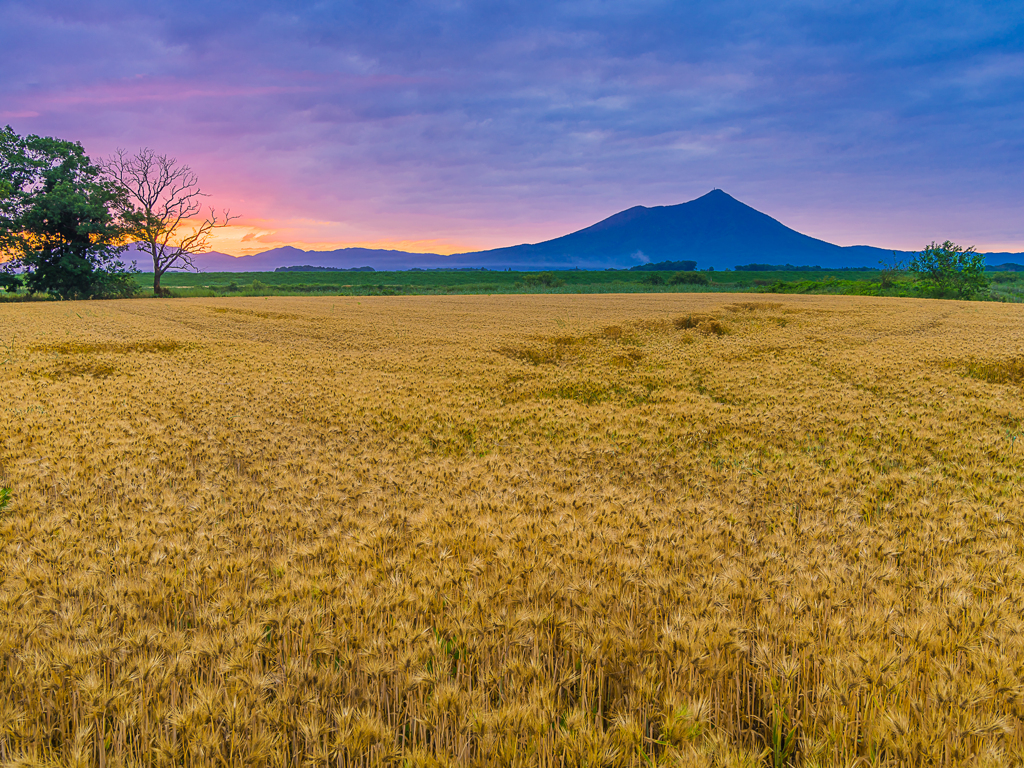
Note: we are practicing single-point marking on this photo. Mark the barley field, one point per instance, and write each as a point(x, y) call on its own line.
point(662, 530)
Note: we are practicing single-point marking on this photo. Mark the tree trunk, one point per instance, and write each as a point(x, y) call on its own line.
point(157, 290)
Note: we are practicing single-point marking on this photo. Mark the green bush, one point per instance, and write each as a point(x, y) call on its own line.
point(114, 284)
point(10, 283)
point(688, 278)
point(950, 270)
point(546, 279)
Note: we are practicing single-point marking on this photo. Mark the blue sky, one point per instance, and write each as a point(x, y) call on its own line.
point(447, 126)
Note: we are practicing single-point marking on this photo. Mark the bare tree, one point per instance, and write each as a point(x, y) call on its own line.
point(160, 205)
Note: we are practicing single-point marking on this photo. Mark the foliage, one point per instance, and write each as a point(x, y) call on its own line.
point(891, 270)
point(545, 279)
point(56, 219)
point(5, 498)
point(950, 269)
point(863, 282)
point(9, 282)
point(688, 278)
point(440, 281)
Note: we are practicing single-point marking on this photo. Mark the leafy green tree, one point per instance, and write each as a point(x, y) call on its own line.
point(57, 220)
point(9, 282)
point(950, 269)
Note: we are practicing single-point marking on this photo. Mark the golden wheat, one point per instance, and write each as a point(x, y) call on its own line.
point(522, 531)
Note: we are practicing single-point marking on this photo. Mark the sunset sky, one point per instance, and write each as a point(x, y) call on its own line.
point(454, 126)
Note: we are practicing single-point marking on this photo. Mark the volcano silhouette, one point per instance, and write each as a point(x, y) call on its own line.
point(715, 230)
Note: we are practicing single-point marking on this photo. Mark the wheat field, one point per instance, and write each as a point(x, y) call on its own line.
point(664, 530)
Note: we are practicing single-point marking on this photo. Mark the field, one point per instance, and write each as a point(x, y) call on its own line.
point(470, 281)
point(1004, 286)
point(616, 530)
point(445, 281)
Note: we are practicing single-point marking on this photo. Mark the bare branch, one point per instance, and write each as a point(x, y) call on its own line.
point(160, 199)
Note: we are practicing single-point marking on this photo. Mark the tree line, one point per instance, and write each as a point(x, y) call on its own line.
point(65, 219)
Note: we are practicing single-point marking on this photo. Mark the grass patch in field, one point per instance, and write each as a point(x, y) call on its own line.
point(688, 321)
point(589, 392)
point(114, 347)
point(532, 355)
point(68, 368)
point(565, 340)
point(705, 324)
point(256, 313)
point(554, 349)
point(1009, 371)
point(628, 359)
point(754, 306)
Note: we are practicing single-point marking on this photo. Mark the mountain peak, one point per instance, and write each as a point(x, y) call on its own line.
point(715, 194)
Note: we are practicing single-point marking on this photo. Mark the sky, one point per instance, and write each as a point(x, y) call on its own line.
point(452, 126)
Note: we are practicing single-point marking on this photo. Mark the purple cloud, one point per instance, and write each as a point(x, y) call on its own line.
point(470, 125)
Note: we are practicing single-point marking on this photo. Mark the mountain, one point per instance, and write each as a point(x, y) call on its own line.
point(715, 230)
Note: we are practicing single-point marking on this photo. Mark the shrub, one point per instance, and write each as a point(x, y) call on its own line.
point(115, 284)
point(688, 278)
point(546, 279)
point(10, 283)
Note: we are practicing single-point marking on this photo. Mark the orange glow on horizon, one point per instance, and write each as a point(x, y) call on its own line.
point(247, 239)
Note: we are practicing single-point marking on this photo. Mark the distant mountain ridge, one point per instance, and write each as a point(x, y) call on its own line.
point(715, 230)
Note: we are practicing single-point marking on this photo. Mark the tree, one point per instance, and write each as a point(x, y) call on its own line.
point(159, 200)
point(57, 221)
point(951, 269)
point(9, 282)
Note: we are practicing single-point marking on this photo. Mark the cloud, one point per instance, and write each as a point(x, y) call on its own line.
point(495, 123)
